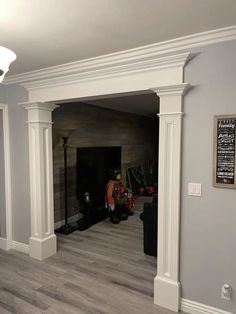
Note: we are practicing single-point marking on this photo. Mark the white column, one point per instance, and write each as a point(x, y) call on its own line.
point(43, 240)
point(166, 283)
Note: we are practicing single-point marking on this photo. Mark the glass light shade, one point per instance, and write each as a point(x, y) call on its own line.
point(6, 58)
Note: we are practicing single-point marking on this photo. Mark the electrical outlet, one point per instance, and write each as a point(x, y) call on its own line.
point(226, 292)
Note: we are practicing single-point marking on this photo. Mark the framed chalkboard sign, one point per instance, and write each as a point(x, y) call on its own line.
point(224, 167)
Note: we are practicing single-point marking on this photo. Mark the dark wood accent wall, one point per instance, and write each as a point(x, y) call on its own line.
point(90, 126)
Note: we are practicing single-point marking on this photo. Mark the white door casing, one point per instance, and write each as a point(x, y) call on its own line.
point(166, 75)
point(43, 240)
point(6, 142)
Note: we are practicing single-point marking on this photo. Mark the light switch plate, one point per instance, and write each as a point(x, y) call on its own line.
point(195, 189)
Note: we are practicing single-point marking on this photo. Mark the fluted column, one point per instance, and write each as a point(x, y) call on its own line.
point(43, 240)
point(166, 283)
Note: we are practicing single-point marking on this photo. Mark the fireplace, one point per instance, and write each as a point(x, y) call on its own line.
point(93, 165)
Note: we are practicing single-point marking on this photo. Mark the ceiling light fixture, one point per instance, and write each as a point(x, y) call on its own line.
point(6, 58)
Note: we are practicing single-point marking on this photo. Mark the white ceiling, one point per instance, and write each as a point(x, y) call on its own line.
point(51, 32)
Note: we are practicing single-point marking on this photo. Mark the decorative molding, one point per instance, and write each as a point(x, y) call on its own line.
point(39, 105)
point(61, 223)
point(166, 284)
point(193, 307)
point(137, 59)
point(7, 173)
point(167, 293)
point(90, 70)
point(5, 244)
point(43, 240)
point(172, 90)
point(20, 247)
point(135, 75)
point(41, 249)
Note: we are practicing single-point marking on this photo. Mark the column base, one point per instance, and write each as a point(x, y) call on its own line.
point(43, 248)
point(166, 293)
point(5, 244)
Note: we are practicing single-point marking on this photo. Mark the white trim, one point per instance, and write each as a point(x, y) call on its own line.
point(4, 244)
point(20, 247)
point(193, 307)
point(61, 223)
point(170, 114)
point(128, 60)
point(166, 283)
point(39, 105)
point(167, 292)
point(168, 81)
point(175, 90)
point(83, 71)
point(7, 159)
point(43, 248)
point(43, 240)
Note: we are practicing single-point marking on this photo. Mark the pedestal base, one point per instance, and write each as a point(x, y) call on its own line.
point(166, 293)
point(43, 248)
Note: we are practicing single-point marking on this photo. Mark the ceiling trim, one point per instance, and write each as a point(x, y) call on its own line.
point(107, 71)
point(134, 60)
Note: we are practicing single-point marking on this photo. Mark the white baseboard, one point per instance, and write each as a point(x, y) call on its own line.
point(193, 307)
point(61, 223)
point(18, 246)
point(5, 244)
point(21, 247)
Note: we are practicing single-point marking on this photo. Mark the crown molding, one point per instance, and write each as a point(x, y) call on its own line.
point(134, 60)
point(87, 70)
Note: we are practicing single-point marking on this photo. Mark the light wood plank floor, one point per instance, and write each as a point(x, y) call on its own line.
point(100, 270)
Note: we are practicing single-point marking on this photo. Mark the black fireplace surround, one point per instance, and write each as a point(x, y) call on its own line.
point(93, 165)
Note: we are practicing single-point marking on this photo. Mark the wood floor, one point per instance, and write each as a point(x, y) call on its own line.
point(100, 270)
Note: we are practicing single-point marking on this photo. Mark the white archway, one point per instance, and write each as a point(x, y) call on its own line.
point(163, 75)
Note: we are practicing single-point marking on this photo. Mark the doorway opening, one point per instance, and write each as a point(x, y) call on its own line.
point(104, 134)
point(101, 139)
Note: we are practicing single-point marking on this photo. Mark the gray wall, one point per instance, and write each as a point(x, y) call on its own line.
point(19, 163)
point(3, 93)
point(208, 229)
point(94, 127)
point(13, 95)
point(2, 183)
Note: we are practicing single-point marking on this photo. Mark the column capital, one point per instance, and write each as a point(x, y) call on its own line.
point(39, 112)
point(39, 106)
point(171, 90)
